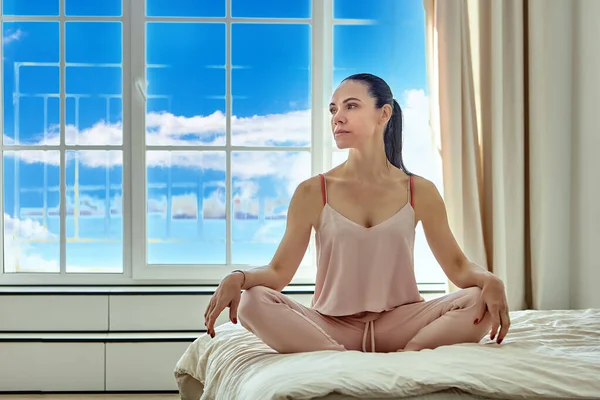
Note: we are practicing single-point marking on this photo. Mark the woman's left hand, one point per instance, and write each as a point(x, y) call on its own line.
point(494, 302)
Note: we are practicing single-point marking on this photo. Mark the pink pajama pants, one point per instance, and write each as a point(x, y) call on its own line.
point(289, 327)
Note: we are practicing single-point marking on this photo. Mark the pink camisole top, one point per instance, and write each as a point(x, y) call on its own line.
point(363, 269)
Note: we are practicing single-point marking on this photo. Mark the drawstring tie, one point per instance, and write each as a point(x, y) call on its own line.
point(370, 324)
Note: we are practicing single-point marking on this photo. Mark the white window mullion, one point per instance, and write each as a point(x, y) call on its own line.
point(1, 155)
point(211, 20)
point(226, 147)
point(21, 18)
point(321, 81)
point(327, 65)
point(127, 187)
point(322, 77)
point(353, 22)
point(137, 149)
point(63, 158)
point(228, 106)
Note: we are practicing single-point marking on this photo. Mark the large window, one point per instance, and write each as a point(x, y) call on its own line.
point(150, 140)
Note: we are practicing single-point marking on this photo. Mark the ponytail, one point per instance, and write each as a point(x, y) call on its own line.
point(392, 136)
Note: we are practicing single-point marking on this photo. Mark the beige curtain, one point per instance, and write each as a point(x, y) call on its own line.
point(510, 99)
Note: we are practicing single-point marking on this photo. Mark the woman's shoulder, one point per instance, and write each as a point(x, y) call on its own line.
point(423, 186)
point(316, 184)
point(422, 183)
point(314, 187)
point(308, 199)
point(425, 196)
point(310, 191)
point(309, 186)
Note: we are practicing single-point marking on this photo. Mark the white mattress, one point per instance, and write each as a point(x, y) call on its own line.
point(546, 355)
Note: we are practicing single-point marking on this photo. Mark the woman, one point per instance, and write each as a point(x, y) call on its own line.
point(364, 213)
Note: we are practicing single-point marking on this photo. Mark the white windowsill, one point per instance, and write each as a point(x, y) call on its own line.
point(158, 289)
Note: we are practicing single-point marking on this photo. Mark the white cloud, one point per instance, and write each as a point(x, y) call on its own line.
point(25, 229)
point(274, 129)
point(186, 204)
point(214, 205)
point(418, 148)
point(245, 197)
point(102, 133)
point(168, 130)
point(270, 232)
point(17, 259)
point(13, 36)
point(246, 189)
point(416, 117)
point(20, 254)
point(17, 256)
point(290, 167)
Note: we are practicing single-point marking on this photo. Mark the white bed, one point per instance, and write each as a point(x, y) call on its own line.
point(547, 355)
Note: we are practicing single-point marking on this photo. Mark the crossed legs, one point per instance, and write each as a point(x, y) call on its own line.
point(289, 327)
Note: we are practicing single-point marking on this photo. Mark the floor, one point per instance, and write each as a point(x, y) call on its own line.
point(90, 397)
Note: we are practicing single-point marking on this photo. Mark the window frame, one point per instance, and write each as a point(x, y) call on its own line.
point(136, 271)
point(321, 14)
point(62, 277)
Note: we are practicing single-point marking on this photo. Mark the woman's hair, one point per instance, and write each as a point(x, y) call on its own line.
point(392, 137)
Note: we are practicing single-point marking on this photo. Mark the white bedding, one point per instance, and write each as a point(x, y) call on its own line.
point(546, 355)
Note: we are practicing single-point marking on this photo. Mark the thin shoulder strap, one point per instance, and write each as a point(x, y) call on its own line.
point(410, 190)
point(323, 189)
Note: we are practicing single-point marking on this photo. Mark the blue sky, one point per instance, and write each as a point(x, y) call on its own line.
point(271, 92)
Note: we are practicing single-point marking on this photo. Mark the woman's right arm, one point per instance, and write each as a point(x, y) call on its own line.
point(292, 248)
point(283, 266)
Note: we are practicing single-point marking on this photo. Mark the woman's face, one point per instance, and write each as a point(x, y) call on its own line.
point(355, 119)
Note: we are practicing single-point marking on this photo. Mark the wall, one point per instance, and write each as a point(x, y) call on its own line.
point(86, 339)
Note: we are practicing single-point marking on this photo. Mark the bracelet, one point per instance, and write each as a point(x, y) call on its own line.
point(241, 272)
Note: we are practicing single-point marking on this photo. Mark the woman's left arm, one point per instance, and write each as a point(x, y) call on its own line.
point(431, 210)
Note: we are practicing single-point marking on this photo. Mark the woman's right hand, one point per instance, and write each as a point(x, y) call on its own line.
point(228, 294)
point(305, 206)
